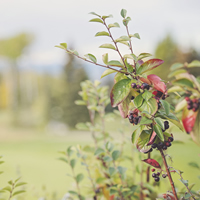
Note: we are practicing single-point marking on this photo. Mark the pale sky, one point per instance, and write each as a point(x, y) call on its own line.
point(55, 21)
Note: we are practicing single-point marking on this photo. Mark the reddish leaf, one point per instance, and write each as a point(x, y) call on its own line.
point(188, 119)
point(152, 139)
point(152, 162)
point(149, 65)
point(112, 197)
point(157, 83)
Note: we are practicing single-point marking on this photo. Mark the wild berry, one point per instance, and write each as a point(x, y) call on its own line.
point(187, 98)
point(138, 86)
point(158, 173)
point(154, 145)
point(154, 175)
point(160, 145)
point(168, 144)
point(142, 87)
point(132, 97)
point(153, 170)
point(157, 179)
point(145, 86)
point(133, 85)
point(170, 139)
point(164, 147)
point(159, 105)
point(166, 126)
point(164, 175)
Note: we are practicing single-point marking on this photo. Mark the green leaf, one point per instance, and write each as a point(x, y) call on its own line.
point(176, 66)
point(108, 46)
point(96, 20)
point(79, 178)
point(150, 106)
point(80, 103)
point(126, 21)
point(115, 63)
point(123, 13)
point(136, 35)
point(91, 57)
point(183, 82)
point(166, 106)
point(194, 164)
point(120, 91)
point(20, 184)
point(185, 182)
point(82, 126)
point(136, 133)
point(7, 188)
point(105, 58)
point(18, 192)
point(107, 72)
point(142, 142)
point(115, 154)
point(181, 105)
point(124, 42)
point(73, 192)
point(61, 47)
point(138, 101)
point(113, 25)
point(73, 163)
point(145, 121)
point(175, 89)
point(99, 151)
point(194, 63)
point(107, 159)
point(107, 16)
point(158, 131)
point(149, 65)
point(174, 73)
point(64, 45)
point(93, 13)
point(109, 146)
point(122, 171)
point(159, 121)
point(63, 159)
point(147, 95)
point(144, 55)
point(111, 171)
point(123, 38)
point(102, 33)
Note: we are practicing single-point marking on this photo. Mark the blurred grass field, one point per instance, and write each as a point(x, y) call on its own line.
point(32, 154)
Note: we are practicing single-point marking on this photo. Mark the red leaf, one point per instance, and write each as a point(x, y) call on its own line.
point(152, 139)
point(112, 197)
point(188, 119)
point(152, 162)
point(157, 83)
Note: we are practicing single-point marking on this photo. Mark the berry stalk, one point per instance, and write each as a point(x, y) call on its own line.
point(169, 174)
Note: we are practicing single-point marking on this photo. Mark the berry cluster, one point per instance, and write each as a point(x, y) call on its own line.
point(133, 117)
point(156, 175)
point(143, 86)
point(163, 145)
point(166, 125)
point(192, 104)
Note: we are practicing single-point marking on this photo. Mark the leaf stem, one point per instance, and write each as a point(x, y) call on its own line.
point(169, 174)
point(148, 168)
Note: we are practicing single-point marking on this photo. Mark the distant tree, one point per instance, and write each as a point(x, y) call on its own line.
point(64, 94)
point(12, 48)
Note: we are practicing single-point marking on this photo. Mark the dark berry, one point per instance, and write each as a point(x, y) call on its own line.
point(166, 126)
point(164, 175)
point(133, 85)
point(135, 120)
point(168, 144)
point(163, 97)
point(154, 175)
point(170, 139)
point(142, 87)
point(138, 86)
point(159, 94)
point(153, 170)
point(130, 116)
point(157, 179)
point(138, 91)
point(132, 97)
point(159, 105)
point(158, 173)
point(166, 123)
point(145, 86)
point(160, 145)
point(154, 145)
point(164, 147)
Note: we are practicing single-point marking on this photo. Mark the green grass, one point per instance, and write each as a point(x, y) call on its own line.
point(33, 156)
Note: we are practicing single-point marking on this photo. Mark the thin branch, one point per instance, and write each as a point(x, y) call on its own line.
point(105, 66)
point(148, 168)
point(117, 49)
point(169, 174)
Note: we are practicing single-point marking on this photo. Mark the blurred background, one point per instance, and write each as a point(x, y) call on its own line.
point(39, 83)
